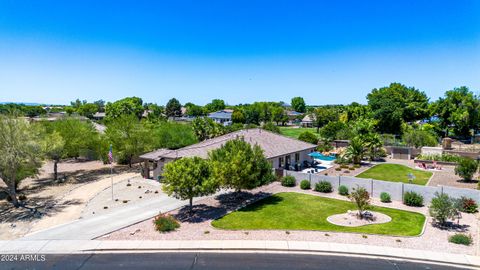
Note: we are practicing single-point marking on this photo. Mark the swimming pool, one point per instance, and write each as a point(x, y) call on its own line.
point(317, 155)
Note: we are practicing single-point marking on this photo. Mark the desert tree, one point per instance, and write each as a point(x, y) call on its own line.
point(20, 153)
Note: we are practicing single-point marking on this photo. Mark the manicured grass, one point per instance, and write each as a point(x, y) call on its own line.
point(295, 211)
point(295, 132)
point(396, 173)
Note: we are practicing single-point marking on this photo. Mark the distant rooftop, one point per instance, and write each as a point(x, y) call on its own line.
point(223, 114)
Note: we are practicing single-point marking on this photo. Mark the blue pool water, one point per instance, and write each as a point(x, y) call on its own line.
point(321, 156)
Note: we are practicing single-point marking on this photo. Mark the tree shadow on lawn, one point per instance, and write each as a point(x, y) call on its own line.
point(34, 208)
point(227, 202)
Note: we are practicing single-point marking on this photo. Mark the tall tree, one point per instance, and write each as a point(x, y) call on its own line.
point(129, 138)
point(205, 128)
point(322, 116)
point(20, 153)
point(215, 105)
point(238, 165)
point(298, 104)
point(173, 108)
point(279, 115)
point(53, 146)
point(126, 106)
point(80, 137)
point(187, 178)
point(459, 110)
point(396, 104)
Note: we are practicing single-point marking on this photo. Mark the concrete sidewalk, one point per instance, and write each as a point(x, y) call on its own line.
point(97, 246)
point(90, 228)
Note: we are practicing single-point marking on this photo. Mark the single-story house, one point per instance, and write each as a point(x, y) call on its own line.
point(282, 152)
point(99, 116)
point(223, 117)
point(307, 121)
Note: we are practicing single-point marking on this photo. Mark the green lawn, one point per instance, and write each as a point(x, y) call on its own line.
point(396, 173)
point(295, 132)
point(295, 211)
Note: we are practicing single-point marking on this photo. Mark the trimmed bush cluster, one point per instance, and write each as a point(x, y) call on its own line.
point(338, 169)
point(165, 223)
point(343, 190)
point(467, 205)
point(305, 184)
point(385, 197)
point(460, 239)
point(323, 186)
point(288, 181)
point(466, 168)
point(412, 198)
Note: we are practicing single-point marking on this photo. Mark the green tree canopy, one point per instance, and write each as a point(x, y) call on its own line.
point(205, 128)
point(173, 108)
point(298, 104)
point(126, 106)
point(129, 138)
point(308, 136)
point(215, 105)
point(459, 109)
point(396, 104)
point(238, 165)
point(187, 178)
point(53, 146)
point(20, 153)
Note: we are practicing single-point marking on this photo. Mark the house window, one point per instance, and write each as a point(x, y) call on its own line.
point(297, 157)
point(280, 162)
point(287, 160)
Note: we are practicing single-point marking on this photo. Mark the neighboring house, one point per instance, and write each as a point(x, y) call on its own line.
point(293, 116)
point(282, 152)
point(223, 117)
point(307, 121)
point(99, 116)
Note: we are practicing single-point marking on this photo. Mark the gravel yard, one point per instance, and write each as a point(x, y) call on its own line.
point(199, 227)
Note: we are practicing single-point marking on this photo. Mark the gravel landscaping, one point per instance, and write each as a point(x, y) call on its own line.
point(199, 226)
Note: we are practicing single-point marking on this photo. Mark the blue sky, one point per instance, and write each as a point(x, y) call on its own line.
point(329, 52)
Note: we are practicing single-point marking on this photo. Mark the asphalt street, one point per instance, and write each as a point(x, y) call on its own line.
point(211, 261)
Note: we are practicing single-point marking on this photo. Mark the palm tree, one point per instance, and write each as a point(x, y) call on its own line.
point(355, 150)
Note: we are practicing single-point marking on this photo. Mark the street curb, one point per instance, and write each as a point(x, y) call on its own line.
point(306, 247)
point(299, 251)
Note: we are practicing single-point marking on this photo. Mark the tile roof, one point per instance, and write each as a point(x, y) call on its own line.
point(273, 145)
point(224, 114)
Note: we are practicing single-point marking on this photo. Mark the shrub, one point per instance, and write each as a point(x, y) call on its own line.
point(385, 197)
point(412, 198)
point(460, 239)
point(442, 208)
point(323, 186)
point(351, 168)
point(356, 166)
point(308, 136)
point(305, 184)
point(165, 223)
point(338, 169)
point(343, 190)
point(467, 205)
point(361, 198)
point(344, 166)
point(466, 168)
point(22, 197)
point(288, 181)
